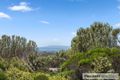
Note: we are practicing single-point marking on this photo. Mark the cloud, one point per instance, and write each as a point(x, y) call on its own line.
point(4, 16)
point(22, 7)
point(74, 33)
point(116, 25)
point(44, 22)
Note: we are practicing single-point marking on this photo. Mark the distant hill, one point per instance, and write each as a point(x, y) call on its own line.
point(53, 48)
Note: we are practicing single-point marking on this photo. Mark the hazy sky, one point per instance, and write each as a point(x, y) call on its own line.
point(54, 22)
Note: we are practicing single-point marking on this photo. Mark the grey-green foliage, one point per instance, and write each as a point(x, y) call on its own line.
point(11, 46)
point(98, 35)
point(101, 64)
point(96, 60)
point(16, 74)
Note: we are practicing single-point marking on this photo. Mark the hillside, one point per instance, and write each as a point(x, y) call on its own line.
point(53, 48)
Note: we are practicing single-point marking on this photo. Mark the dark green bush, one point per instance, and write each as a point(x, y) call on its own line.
point(3, 76)
point(41, 77)
point(96, 60)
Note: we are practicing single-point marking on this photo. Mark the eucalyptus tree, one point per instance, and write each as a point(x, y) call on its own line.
point(11, 46)
point(5, 45)
point(115, 36)
point(98, 35)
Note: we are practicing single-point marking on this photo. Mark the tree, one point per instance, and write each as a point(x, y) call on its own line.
point(11, 46)
point(98, 35)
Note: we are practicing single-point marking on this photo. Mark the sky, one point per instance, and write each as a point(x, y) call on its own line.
point(54, 22)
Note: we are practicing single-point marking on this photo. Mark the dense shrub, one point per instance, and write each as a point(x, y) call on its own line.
point(96, 60)
point(46, 76)
point(18, 63)
point(3, 76)
point(57, 78)
point(3, 64)
point(16, 74)
point(41, 77)
point(101, 64)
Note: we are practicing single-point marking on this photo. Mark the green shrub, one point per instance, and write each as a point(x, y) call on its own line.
point(57, 78)
point(101, 64)
point(18, 63)
point(41, 77)
point(3, 64)
point(16, 74)
point(3, 76)
point(96, 60)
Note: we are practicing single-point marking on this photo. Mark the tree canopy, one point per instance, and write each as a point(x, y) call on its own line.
point(98, 35)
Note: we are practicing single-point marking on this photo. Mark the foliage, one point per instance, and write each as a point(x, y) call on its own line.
point(57, 78)
point(3, 64)
point(3, 76)
point(19, 64)
point(16, 74)
point(98, 35)
point(96, 60)
point(93, 49)
point(41, 77)
point(11, 46)
point(101, 64)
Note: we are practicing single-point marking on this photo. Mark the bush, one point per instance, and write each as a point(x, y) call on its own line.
point(41, 77)
point(3, 76)
point(56, 77)
point(96, 60)
point(101, 65)
point(18, 63)
point(45, 76)
point(3, 64)
point(16, 74)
